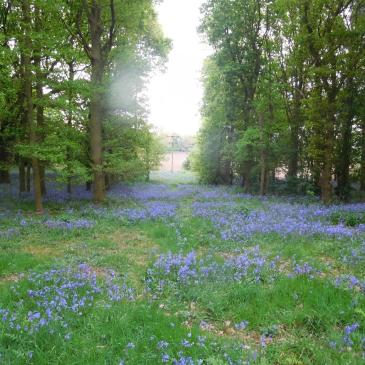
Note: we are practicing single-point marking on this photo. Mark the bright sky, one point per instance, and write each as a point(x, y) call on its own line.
point(175, 96)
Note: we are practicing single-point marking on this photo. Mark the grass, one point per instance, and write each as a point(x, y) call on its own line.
point(290, 320)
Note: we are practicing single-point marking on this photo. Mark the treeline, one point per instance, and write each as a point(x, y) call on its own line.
point(72, 76)
point(284, 90)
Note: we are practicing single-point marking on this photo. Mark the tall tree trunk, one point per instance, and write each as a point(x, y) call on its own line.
point(362, 165)
point(39, 101)
point(22, 182)
point(345, 150)
point(28, 176)
point(4, 158)
point(263, 156)
point(294, 152)
point(42, 175)
point(328, 150)
point(246, 176)
point(325, 182)
point(69, 185)
point(296, 121)
point(71, 77)
point(29, 104)
point(4, 176)
point(107, 181)
point(40, 125)
point(22, 162)
point(294, 142)
point(98, 51)
point(96, 102)
point(263, 175)
point(4, 170)
point(343, 171)
point(96, 150)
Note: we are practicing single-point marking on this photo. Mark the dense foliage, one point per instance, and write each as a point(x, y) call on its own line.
point(284, 91)
point(72, 75)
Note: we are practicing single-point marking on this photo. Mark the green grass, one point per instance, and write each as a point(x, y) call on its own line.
point(301, 315)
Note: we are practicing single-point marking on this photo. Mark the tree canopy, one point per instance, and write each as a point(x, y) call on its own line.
point(72, 81)
point(283, 91)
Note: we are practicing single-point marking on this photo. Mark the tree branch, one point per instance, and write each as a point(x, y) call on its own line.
point(109, 42)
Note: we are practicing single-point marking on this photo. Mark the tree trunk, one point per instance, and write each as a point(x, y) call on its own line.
point(328, 151)
point(362, 167)
point(246, 176)
point(28, 176)
point(71, 76)
point(96, 103)
point(107, 181)
point(4, 170)
point(343, 173)
point(69, 185)
point(96, 115)
point(37, 186)
point(40, 122)
point(4, 159)
point(263, 156)
point(42, 175)
point(39, 102)
point(296, 122)
point(345, 150)
point(28, 110)
point(325, 182)
point(22, 180)
point(263, 174)
point(4, 177)
point(294, 152)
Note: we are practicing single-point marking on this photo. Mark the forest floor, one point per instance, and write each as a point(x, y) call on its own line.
point(178, 273)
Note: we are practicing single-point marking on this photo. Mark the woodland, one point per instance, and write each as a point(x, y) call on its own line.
point(254, 254)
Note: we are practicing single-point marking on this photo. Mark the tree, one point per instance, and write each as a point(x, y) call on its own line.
point(60, 60)
point(290, 76)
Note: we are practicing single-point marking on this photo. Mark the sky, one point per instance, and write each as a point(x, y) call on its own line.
point(176, 95)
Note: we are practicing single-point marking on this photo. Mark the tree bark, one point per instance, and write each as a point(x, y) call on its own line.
point(294, 144)
point(4, 170)
point(71, 77)
point(39, 101)
point(40, 124)
point(246, 176)
point(296, 121)
point(98, 51)
point(96, 102)
point(4, 177)
point(22, 180)
point(325, 182)
point(362, 165)
point(343, 173)
point(28, 176)
point(345, 150)
point(42, 176)
point(263, 175)
point(294, 153)
point(263, 156)
point(28, 110)
point(96, 116)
